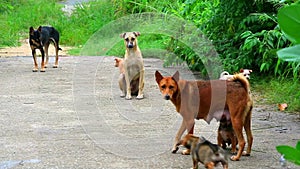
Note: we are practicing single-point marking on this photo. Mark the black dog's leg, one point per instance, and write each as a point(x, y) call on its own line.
point(46, 46)
point(43, 60)
point(56, 55)
point(35, 69)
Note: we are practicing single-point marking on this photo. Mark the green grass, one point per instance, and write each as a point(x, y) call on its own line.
point(274, 91)
point(16, 17)
point(20, 15)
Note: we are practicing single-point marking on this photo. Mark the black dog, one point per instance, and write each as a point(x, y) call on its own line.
point(41, 38)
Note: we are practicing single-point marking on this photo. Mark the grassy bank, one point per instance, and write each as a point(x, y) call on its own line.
point(273, 91)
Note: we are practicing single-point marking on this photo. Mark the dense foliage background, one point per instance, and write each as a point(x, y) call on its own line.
point(245, 33)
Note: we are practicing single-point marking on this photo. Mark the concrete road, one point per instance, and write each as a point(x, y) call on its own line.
point(73, 117)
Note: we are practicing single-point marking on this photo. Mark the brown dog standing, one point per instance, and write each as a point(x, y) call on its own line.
point(207, 100)
point(133, 64)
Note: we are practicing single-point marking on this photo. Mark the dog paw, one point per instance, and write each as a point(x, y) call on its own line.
point(186, 152)
point(139, 97)
point(122, 95)
point(234, 158)
point(174, 150)
point(55, 66)
point(245, 153)
point(43, 70)
point(34, 70)
point(128, 97)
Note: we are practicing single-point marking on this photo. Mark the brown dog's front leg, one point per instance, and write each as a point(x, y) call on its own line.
point(178, 137)
point(190, 128)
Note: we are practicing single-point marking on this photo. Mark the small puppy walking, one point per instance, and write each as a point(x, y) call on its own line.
point(205, 152)
point(210, 99)
point(40, 39)
point(133, 65)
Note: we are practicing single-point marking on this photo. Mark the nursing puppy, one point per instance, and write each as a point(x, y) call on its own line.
point(207, 100)
point(226, 135)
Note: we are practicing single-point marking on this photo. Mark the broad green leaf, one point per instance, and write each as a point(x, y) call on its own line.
point(290, 153)
point(290, 54)
point(289, 22)
point(298, 146)
point(246, 34)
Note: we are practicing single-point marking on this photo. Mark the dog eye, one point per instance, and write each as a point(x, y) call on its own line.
point(127, 39)
point(132, 39)
point(171, 87)
point(163, 86)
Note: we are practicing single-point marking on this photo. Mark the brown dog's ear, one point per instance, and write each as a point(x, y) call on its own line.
point(122, 35)
point(241, 70)
point(31, 30)
point(176, 76)
point(158, 77)
point(137, 34)
point(40, 29)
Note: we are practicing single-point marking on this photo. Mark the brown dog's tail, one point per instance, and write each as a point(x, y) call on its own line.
point(241, 78)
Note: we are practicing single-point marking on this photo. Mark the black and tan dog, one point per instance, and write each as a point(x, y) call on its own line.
point(40, 39)
point(133, 65)
point(204, 151)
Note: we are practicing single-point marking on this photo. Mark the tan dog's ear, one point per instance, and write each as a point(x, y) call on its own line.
point(122, 35)
point(176, 76)
point(137, 34)
point(158, 77)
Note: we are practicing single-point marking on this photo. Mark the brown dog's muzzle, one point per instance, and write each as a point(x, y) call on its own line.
point(167, 97)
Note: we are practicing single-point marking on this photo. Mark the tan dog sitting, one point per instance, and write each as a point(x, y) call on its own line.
point(133, 64)
point(122, 83)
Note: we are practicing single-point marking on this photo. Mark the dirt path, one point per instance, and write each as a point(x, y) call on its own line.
point(24, 50)
point(73, 117)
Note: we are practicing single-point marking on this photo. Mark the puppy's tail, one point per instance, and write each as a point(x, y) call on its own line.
point(242, 79)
